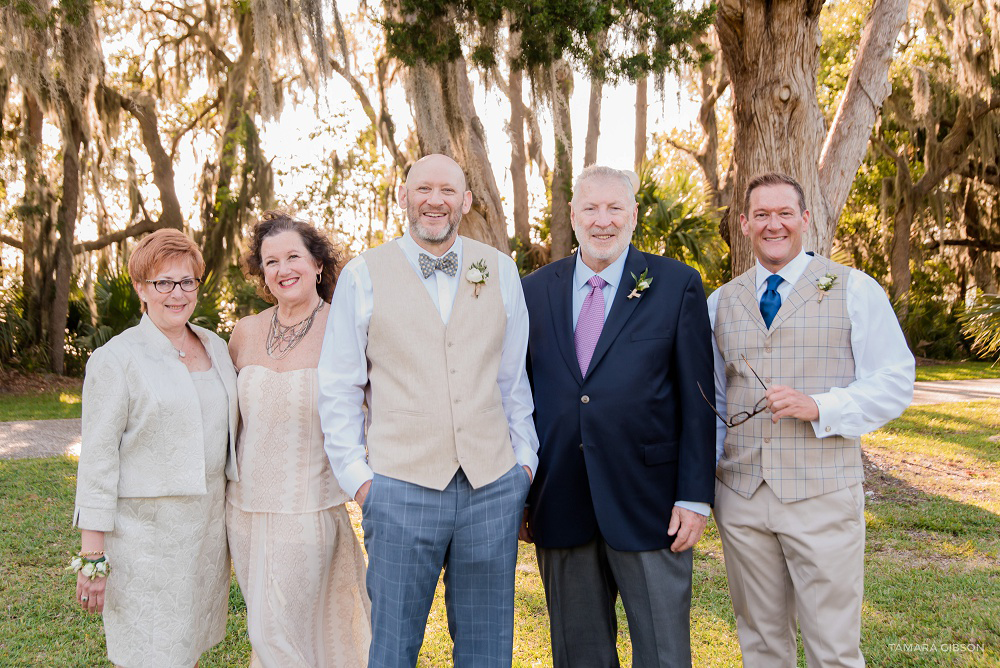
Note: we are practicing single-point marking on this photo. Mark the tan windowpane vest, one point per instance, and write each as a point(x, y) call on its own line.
point(808, 347)
point(435, 402)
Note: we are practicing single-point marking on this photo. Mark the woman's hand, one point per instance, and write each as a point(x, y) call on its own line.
point(90, 593)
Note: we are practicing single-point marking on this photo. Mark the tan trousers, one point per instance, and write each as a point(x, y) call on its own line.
point(804, 559)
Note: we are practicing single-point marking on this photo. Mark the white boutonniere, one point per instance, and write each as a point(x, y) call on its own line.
point(824, 284)
point(642, 282)
point(477, 275)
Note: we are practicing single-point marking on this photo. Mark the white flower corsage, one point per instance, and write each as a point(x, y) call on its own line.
point(824, 284)
point(642, 282)
point(98, 568)
point(477, 275)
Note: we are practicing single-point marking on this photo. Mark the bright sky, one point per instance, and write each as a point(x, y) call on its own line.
point(289, 139)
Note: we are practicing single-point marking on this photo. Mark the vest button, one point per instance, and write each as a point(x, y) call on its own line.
point(585, 399)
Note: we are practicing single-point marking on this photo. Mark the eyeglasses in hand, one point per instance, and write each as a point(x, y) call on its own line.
point(742, 416)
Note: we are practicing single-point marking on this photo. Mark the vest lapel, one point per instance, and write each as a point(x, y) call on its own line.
point(561, 301)
point(622, 307)
point(805, 289)
point(747, 296)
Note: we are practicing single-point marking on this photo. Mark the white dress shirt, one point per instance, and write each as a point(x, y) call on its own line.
point(343, 366)
point(883, 364)
point(612, 275)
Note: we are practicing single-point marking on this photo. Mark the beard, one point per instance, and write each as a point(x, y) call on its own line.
point(433, 236)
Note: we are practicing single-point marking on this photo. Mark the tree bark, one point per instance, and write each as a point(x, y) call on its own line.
point(560, 228)
point(72, 128)
point(440, 97)
point(777, 122)
point(36, 216)
point(220, 215)
point(518, 162)
point(641, 112)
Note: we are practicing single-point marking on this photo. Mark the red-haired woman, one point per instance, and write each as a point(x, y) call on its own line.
point(159, 421)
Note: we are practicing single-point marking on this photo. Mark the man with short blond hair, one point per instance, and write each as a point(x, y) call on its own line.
point(808, 357)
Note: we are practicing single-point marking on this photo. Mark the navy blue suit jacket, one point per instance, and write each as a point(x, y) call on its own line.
point(619, 447)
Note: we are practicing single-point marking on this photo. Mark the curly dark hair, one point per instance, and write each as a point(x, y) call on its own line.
point(320, 247)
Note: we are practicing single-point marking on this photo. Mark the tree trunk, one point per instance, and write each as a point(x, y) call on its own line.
point(69, 206)
point(518, 162)
point(777, 122)
point(560, 90)
point(440, 97)
point(35, 213)
point(641, 112)
point(593, 122)
point(221, 216)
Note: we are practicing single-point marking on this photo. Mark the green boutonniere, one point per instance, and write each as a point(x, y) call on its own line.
point(642, 283)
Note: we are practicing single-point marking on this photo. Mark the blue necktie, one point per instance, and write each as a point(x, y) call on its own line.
point(770, 301)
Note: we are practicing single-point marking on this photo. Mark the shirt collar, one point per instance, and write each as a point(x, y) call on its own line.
point(791, 272)
point(612, 273)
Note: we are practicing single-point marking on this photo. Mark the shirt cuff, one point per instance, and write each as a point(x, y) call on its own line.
point(354, 476)
point(829, 414)
point(699, 507)
point(527, 457)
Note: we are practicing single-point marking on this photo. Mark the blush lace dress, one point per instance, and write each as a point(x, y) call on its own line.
point(295, 553)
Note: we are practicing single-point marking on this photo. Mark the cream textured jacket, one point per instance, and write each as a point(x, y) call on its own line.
point(142, 430)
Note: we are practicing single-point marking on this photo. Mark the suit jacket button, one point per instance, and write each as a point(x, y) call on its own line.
point(585, 399)
point(581, 447)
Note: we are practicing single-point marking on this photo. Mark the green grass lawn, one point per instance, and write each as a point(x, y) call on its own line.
point(46, 406)
point(958, 371)
point(932, 571)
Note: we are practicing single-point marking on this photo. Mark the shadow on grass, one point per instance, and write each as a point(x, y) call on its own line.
point(968, 434)
point(932, 580)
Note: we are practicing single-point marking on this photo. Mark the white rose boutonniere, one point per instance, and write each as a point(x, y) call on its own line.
point(642, 283)
point(824, 284)
point(477, 275)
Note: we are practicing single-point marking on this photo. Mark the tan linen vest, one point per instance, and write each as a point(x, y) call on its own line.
point(435, 403)
point(808, 347)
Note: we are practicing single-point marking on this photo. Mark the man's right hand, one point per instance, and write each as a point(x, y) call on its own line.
point(363, 492)
point(524, 533)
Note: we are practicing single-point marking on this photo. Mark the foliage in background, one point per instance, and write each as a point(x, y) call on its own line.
point(982, 324)
point(18, 344)
point(931, 320)
point(674, 221)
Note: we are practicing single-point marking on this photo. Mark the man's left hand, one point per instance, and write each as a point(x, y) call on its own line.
point(786, 402)
point(687, 527)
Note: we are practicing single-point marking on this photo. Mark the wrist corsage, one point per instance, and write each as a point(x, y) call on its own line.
point(91, 568)
point(477, 275)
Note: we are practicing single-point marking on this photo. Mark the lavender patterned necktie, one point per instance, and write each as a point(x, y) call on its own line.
point(590, 323)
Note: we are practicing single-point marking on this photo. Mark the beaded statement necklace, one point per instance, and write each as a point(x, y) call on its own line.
point(281, 338)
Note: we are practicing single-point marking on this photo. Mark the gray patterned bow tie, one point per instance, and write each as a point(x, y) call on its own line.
point(448, 264)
